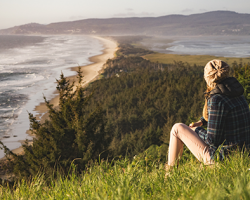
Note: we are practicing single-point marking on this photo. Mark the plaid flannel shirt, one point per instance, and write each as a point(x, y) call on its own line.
point(228, 123)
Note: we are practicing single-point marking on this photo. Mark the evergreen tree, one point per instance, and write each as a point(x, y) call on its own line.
point(69, 135)
point(242, 73)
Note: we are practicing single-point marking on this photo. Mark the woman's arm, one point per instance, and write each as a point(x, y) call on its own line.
point(204, 122)
point(201, 122)
point(216, 120)
point(217, 114)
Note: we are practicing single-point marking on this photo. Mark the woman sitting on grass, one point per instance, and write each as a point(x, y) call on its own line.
point(226, 115)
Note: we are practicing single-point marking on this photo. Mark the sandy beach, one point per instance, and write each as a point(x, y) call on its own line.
point(90, 73)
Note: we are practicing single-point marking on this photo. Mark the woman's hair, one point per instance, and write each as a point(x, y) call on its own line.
point(207, 95)
point(214, 72)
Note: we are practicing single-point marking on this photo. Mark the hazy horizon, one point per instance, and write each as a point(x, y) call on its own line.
point(15, 13)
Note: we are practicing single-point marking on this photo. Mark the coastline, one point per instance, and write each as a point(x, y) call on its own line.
point(90, 72)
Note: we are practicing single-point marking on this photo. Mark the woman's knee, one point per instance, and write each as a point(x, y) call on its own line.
point(176, 128)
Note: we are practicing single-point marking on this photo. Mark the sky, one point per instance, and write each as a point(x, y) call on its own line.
point(19, 12)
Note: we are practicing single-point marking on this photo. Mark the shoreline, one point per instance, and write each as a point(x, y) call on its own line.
point(90, 72)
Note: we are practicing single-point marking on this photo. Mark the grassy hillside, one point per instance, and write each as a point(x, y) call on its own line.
point(191, 59)
point(143, 178)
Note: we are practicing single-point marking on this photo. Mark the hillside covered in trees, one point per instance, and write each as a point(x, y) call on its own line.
point(132, 107)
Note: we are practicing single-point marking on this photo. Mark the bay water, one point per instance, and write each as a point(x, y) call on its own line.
point(225, 46)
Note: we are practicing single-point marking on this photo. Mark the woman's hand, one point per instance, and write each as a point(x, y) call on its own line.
point(195, 124)
point(193, 128)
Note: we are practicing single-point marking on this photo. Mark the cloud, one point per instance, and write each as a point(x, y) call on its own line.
point(77, 17)
point(133, 14)
point(192, 11)
point(127, 14)
point(130, 9)
point(187, 11)
point(203, 10)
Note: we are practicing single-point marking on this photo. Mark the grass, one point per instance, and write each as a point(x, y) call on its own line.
point(191, 59)
point(143, 178)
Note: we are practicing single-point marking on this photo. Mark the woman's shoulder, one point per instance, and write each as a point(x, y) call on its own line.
point(230, 102)
point(218, 98)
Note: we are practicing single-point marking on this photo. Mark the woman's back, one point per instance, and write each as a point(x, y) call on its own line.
point(229, 120)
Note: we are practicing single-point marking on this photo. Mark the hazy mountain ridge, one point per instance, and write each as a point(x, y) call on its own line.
point(210, 23)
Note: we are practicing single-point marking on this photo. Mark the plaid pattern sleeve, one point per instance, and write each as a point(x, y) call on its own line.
point(216, 122)
point(204, 122)
point(217, 113)
point(202, 133)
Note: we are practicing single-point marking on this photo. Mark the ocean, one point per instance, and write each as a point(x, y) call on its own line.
point(29, 67)
point(226, 46)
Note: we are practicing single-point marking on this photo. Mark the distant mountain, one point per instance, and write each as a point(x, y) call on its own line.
point(209, 23)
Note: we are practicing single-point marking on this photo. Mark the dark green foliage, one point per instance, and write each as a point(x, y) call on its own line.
point(242, 73)
point(142, 101)
point(70, 135)
point(127, 46)
point(121, 65)
point(128, 49)
point(129, 39)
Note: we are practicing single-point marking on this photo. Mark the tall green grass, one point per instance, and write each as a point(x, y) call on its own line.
point(143, 178)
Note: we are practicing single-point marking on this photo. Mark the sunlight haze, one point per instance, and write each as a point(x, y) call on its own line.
point(19, 12)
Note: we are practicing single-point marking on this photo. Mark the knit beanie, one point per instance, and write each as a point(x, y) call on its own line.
point(215, 71)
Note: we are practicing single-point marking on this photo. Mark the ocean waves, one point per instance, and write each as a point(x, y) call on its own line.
point(28, 71)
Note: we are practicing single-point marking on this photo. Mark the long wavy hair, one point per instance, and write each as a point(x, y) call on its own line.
point(207, 96)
